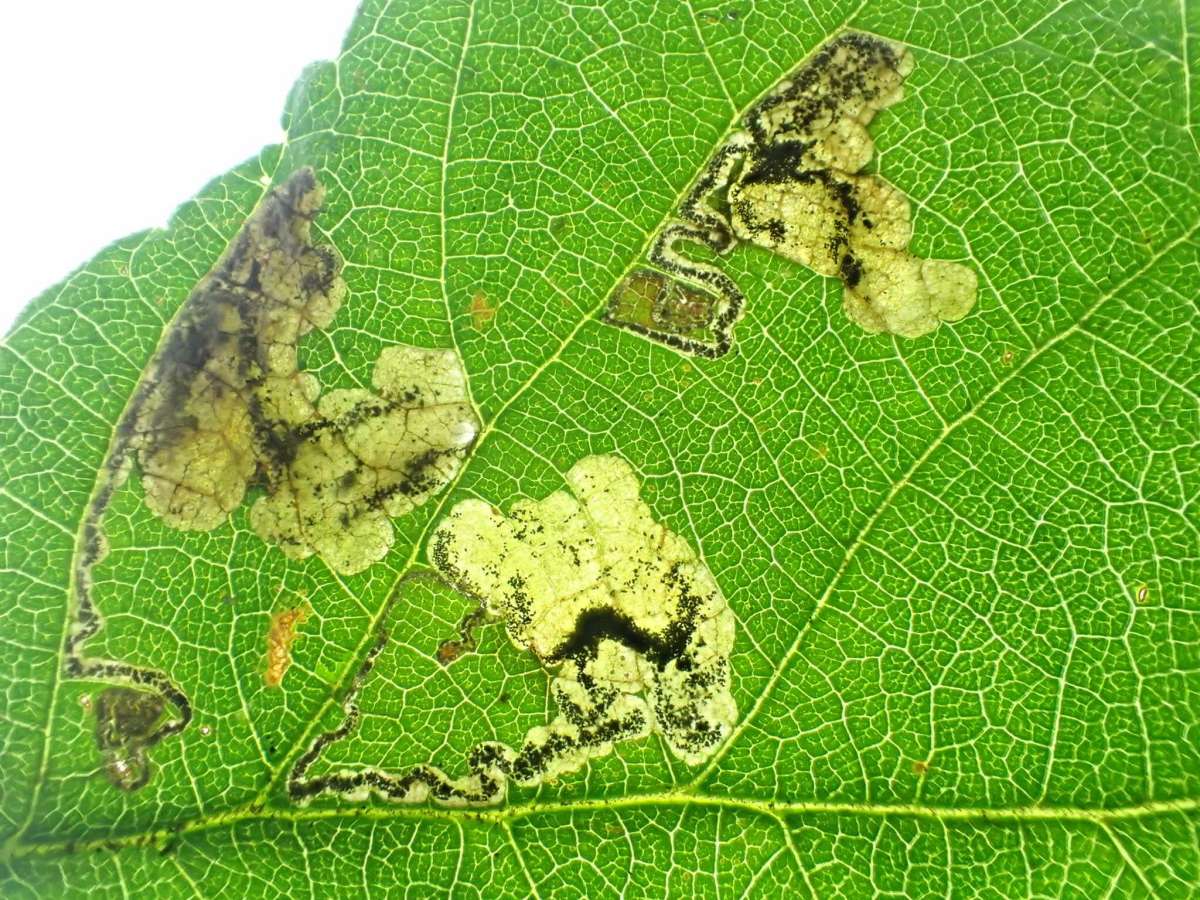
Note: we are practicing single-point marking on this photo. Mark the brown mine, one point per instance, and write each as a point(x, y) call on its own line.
point(127, 723)
point(212, 410)
point(650, 300)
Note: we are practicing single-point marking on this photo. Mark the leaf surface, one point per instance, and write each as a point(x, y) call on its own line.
point(964, 568)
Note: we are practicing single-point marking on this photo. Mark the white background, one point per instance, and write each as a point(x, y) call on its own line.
point(116, 111)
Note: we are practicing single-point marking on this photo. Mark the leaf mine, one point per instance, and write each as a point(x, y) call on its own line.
point(628, 622)
point(792, 181)
point(362, 457)
point(225, 404)
point(452, 649)
point(650, 302)
point(126, 723)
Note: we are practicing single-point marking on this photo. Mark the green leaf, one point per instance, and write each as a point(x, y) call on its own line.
point(964, 567)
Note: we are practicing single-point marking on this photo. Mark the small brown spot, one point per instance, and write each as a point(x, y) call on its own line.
point(450, 650)
point(1007, 358)
point(482, 311)
point(920, 767)
point(1143, 594)
point(280, 636)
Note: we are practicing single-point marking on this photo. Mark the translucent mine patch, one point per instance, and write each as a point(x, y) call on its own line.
point(225, 404)
point(651, 303)
point(363, 456)
point(127, 722)
point(633, 624)
point(792, 181)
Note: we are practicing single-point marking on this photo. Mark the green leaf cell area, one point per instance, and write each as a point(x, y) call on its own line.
point(535, 478)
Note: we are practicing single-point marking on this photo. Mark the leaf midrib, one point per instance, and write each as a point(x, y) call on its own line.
point(252, 812)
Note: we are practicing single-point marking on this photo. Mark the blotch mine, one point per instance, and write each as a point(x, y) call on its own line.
point(630, 624)
point(226, 406)
point(364, 456)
